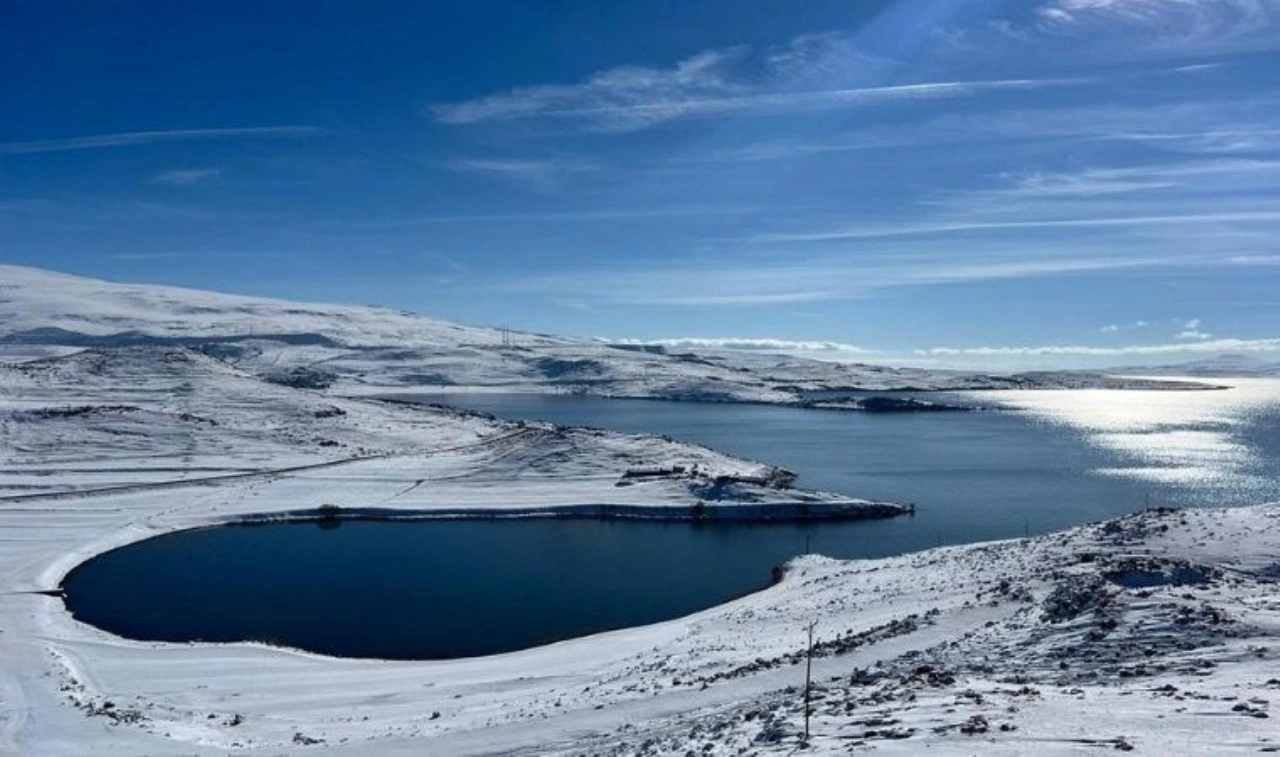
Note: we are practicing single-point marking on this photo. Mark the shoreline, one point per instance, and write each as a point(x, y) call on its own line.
point(984, 622)
point(806, 399)
point(725, 512)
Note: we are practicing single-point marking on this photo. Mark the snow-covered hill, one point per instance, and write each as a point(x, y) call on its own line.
point(360, 349)
point(38, 306)
point(1227, 364)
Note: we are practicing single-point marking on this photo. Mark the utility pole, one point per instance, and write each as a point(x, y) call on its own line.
point(808, 680)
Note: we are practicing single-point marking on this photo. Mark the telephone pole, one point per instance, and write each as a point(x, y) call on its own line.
point(808, 680)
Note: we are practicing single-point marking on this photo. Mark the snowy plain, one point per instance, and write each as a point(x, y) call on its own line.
point(132, 411)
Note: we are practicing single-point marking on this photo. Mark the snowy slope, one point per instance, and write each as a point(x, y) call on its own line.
point(370, 350)
point(32, 299)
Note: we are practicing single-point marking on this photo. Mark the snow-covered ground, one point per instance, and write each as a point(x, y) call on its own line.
point(1159, 631)
point(105, 446)
point(127, 412)
point(363, 350)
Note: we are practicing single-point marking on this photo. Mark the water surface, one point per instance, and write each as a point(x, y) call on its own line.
point(1038, 461)
point(422, 589)
point(438, 589)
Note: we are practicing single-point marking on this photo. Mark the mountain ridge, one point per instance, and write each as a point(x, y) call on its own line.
point(365, 349)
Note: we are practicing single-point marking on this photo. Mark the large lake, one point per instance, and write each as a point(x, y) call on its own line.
point(1033, 462)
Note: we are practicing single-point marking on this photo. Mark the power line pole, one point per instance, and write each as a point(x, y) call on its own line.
point(808, 680)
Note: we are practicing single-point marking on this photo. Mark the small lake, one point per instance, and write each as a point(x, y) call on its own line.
point(423, 589)
point(440, 589)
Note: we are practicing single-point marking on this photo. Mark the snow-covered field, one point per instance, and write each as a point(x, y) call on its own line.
point(1157, 632)
point(364, 350)
point(127, 412)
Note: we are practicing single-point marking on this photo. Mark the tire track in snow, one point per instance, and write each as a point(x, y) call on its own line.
point(261, 474)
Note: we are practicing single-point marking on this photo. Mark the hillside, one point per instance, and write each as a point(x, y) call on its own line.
point(361, 350)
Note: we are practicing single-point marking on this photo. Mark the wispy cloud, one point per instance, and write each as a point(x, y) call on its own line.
point(152, 255)
point(1191, 330)
point(924, 229)
point(1214, 127)
point(1112, 328)
point(631, 98)
point(643, 113)
point(543, 175)
point(1199, 347)
point(746, 344)
point(182, 177)
point(1220, 141)
point(1197, 68)
point(1235, 174)
point(136, 138)
point(1146, 27)
point(1177, 19)
point(739, 284)
point(585, 215)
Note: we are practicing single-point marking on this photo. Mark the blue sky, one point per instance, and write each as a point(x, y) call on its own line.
point(978, 181)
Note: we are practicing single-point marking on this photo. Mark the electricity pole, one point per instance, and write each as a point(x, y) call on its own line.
point(808, 679)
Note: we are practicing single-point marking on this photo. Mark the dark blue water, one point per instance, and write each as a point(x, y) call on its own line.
point(974, 476)
point(429, 590)
point(422, 589)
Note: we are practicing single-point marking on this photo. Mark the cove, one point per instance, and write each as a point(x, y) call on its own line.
point(423, 590)
point(974, 476)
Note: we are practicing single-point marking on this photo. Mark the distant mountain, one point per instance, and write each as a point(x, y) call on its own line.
point(361, 350)
point(1227, 364)
point(38, 306)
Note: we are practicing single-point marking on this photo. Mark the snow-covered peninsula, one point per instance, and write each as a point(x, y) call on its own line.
point(127, 412)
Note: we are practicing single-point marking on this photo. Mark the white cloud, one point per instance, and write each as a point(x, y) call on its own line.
point(1197, 68)
point(543, 175)
point(1184, 19)
point(949, 227)
point(1211, 141)
point(617, 89)
point(1210, 127)
point(1093, 182)
point(748, 344)
point(813, 72)
point(735, 283)
point(1117, 327)
point(1199, 347)
point(131, 139)
point(1191, 330)
point(1149, 27)
point(185, 176)
point(1254, 259)
point(587, 215)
